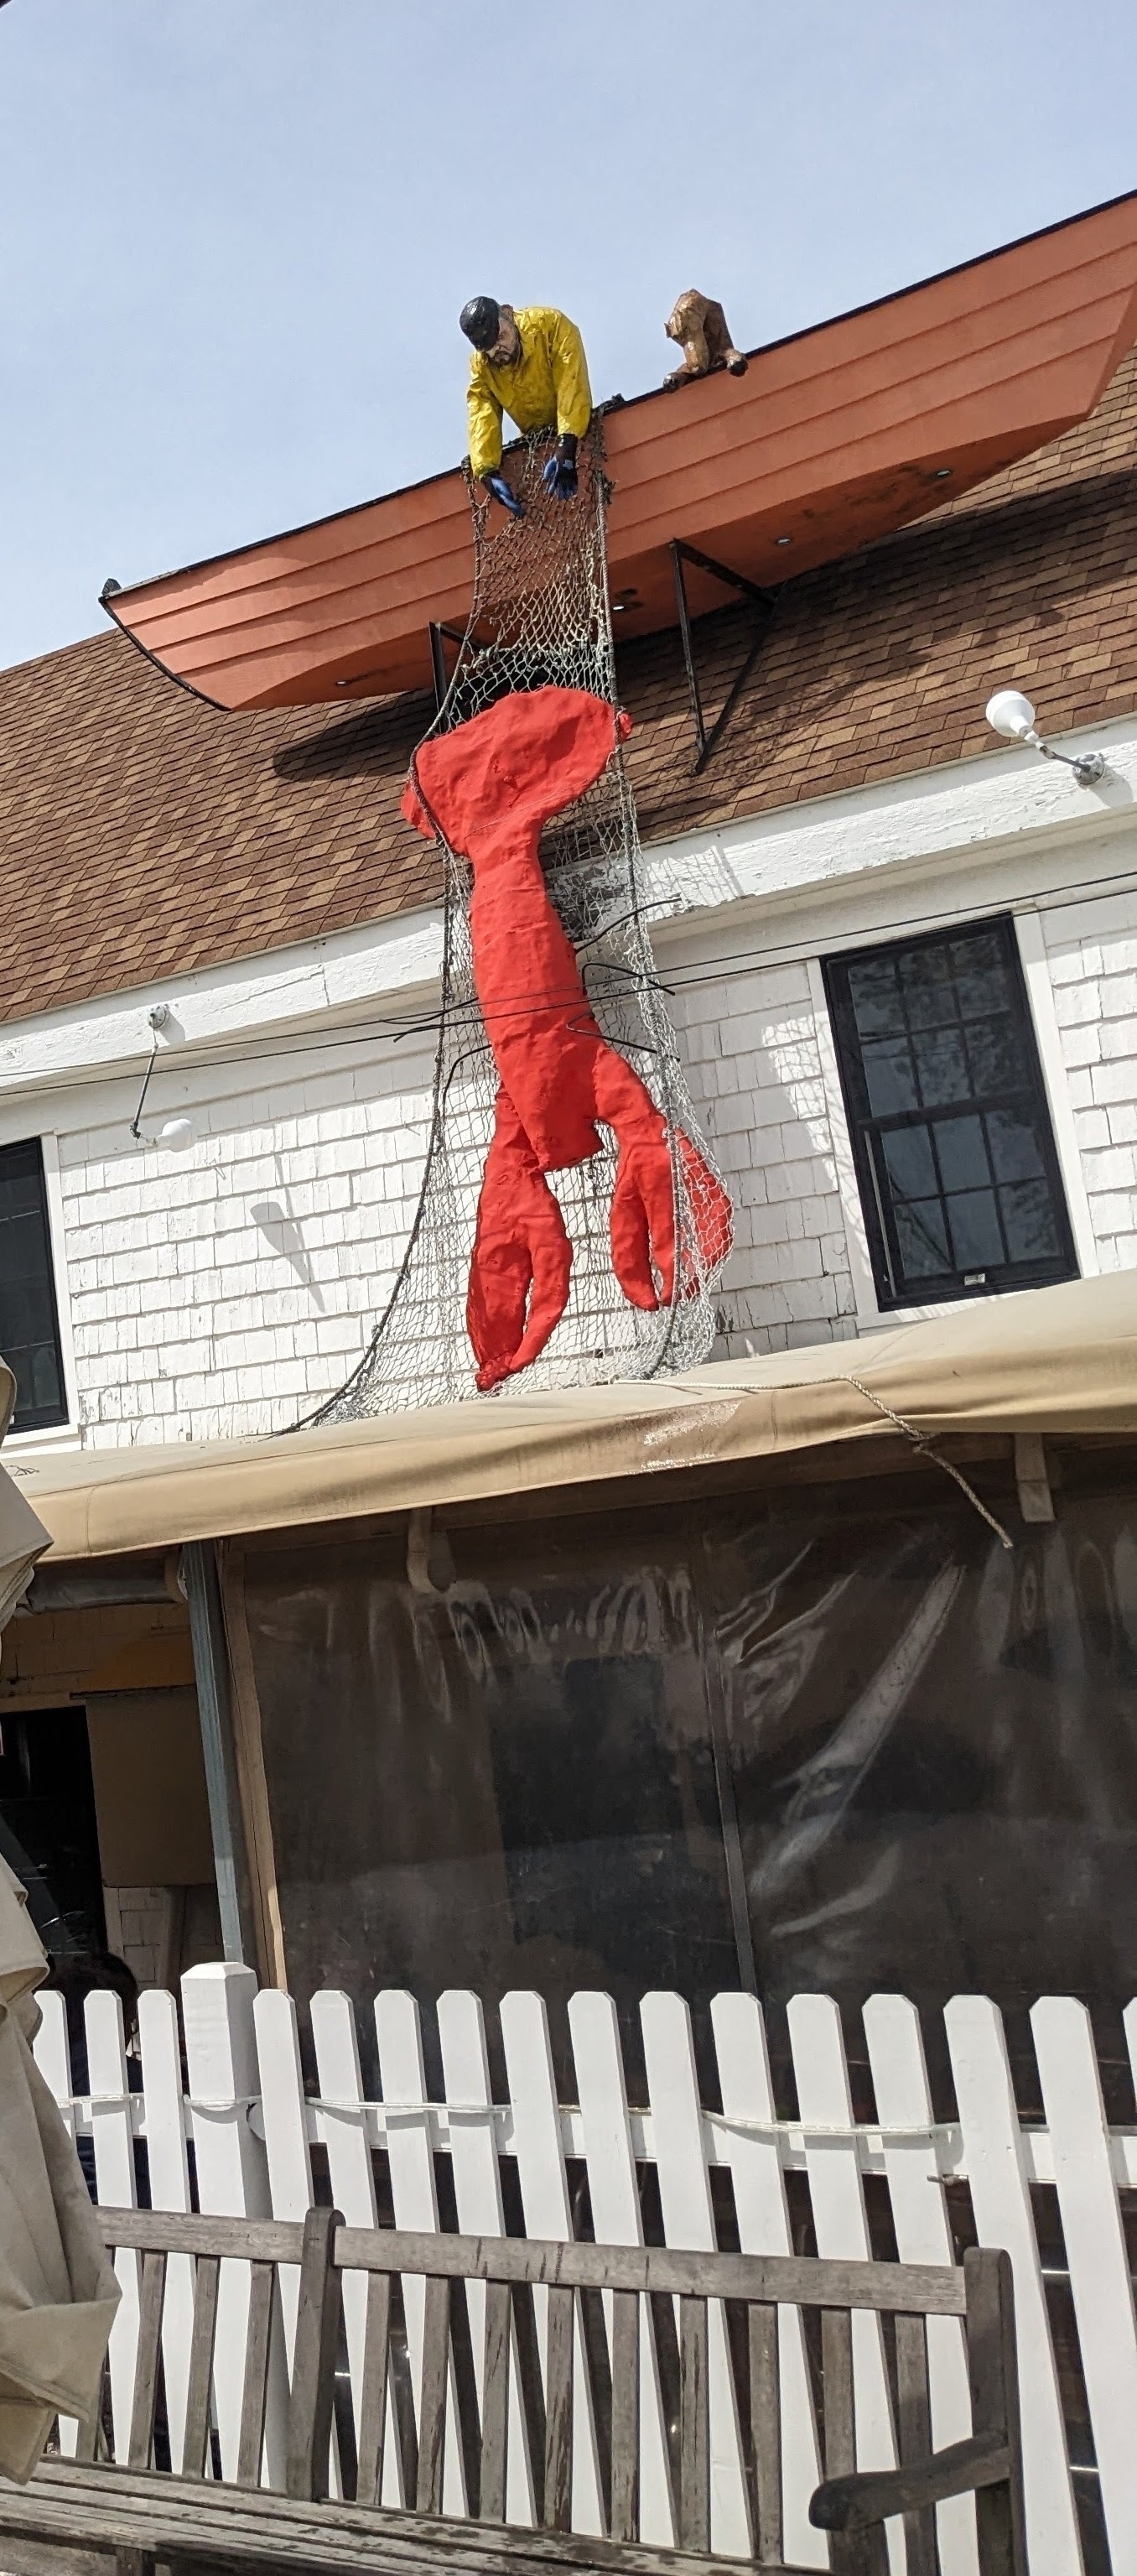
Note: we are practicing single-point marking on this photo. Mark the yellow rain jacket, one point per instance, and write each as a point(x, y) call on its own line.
point(548, 388)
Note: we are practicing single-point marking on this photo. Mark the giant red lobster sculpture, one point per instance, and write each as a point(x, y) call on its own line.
point(488, 788)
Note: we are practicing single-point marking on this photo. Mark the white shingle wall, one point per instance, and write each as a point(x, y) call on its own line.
point(1092, 956)
point(227, 1290)
point(749, 1041)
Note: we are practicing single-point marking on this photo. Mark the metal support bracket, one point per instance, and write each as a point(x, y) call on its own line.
point(762, 602)
point(438, 658)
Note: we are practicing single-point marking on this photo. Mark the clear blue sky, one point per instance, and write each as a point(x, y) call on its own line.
point(237, 233)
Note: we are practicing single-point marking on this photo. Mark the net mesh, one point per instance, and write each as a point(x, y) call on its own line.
point(541, 615)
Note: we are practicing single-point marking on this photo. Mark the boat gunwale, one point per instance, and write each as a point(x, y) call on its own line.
point(399, 553)
point(654, 393)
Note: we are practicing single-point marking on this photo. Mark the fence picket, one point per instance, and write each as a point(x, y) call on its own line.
point(477, 2191)
point(923, 2235)
point(52, 2055)
point(763, 2218)
point(688, 2220)
point(616, 2218)
point(231, 2166)
point(1000, 2199)
point(837, 2197)
point(113, 2133)
point(344, 2120)
point(1095, 2250)
point(411, 2160)
point(169, 2189)
point(539, 2148)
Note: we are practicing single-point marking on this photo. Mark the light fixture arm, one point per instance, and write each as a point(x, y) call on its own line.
point(1088, 766)
point(135, 1128)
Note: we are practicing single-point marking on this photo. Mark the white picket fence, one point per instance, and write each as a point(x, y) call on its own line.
point(253, 2129)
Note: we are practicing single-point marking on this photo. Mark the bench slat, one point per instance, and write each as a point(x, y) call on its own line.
point(432, 2400)
point(373, 2392)
point(914, 2437)
point(314, 2360)
point(694, 2428)
point(560, 2332)
point(207, 2276)
point(790, 2280)
point(766, 2432)
point(837, 2392)
point(495, 2400)
point(624, 2517)
point(250, 2441)
point(146, 2361)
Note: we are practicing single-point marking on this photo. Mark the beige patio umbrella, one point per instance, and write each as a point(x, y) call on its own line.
point(58, 2293)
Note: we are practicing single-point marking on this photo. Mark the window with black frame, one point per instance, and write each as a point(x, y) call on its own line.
point(955, 1157)
point(29, 1320)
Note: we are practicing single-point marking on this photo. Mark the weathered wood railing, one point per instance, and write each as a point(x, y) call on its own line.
point(238, 2101)
point(526, 2388)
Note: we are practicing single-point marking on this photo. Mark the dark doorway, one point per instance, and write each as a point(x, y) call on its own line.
point(48, 1832)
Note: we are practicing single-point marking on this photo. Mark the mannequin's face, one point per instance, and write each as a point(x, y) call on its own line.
point(506, 349)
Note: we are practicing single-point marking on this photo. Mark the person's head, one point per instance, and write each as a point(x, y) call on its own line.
point(492, 329)
point(88, 1972)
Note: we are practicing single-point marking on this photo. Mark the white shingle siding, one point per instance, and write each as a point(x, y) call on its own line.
point(1092, 954)
point(228, 1290)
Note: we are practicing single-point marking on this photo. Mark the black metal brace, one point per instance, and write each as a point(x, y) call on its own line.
point(763, 602)
point(438, 658)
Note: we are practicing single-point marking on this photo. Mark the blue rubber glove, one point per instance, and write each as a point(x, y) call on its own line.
point(559, 475)
point(503, 492)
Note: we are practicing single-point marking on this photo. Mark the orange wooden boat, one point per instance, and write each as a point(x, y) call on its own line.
point(834, 437)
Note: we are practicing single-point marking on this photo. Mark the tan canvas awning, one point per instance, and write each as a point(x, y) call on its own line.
point(1056, 1360)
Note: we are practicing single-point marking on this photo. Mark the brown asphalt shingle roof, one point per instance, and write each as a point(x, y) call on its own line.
point(143, 835)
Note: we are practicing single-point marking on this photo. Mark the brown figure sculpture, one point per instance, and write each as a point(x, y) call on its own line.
point(700, 327)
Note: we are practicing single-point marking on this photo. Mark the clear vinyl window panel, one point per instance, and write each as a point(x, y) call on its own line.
point(955, 1158)
point(29, 1318)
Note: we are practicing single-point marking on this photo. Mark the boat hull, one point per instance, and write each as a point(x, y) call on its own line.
point(833, 438)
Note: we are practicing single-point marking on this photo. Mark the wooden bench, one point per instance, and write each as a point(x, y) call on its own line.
point(544, 2322)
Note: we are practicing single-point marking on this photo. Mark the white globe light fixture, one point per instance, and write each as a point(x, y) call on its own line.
point(177, 1134)
point(1011, 714)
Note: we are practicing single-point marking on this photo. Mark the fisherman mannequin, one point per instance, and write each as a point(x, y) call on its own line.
point(532, 365)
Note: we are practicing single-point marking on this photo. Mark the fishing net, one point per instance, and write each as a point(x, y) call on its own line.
point(541, 616)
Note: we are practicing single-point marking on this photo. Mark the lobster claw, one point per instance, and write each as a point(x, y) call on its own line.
point(522, 1257)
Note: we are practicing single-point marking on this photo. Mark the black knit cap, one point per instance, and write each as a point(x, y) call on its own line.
point(480, 319)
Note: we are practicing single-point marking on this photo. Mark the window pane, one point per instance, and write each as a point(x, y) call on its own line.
point(875, 998)
point(1015, 1149)
point(1029, 1219)
point(975, 1229)
point(995, 1049)
point(28, 1332)
point(42, 1376)
point(942, 1067)
point(909, 1163)
point(922, 1238)
point(889, 1077)
point(929, 991)
point(962, 1153)
point(978, 970)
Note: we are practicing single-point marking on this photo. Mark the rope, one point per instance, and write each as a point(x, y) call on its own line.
point(920, 1440)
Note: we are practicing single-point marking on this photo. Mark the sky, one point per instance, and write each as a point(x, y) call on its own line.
point(237, 233)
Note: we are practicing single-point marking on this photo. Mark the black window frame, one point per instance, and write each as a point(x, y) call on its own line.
point(895, 1290)
point(28, 1415)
